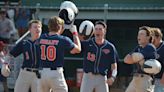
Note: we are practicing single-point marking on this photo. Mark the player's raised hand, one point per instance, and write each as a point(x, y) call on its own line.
point(73, 30)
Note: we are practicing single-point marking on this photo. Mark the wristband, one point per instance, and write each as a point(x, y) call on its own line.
point(74, 33)
point(114, 73)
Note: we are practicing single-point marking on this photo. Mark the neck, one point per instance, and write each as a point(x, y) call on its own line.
point(143, 45)
point(100, 41)
point(53, 33)
point(33, 38)
point(158, 44)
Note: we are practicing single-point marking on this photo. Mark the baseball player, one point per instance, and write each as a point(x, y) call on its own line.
point(141, 82)
point(3, 79)
point(52, 47)
point(159, 44)
point(28, 74)
point(100, 56)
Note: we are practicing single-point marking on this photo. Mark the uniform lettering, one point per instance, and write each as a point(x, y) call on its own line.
point(49, 42)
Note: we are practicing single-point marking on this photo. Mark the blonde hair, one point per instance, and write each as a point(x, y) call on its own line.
point(34, 21)
point(54, 23)
point(157, 32)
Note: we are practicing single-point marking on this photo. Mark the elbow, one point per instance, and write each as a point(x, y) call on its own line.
point(79, 50)
point(75, 51)
point(128, 61)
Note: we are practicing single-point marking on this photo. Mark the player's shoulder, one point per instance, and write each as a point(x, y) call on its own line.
point(109, 44)
point(62, 37)
point(150, 45)
point(89, 41)
point(44, 35)
point(162, 44)
point(161, 47)
point(23, 42)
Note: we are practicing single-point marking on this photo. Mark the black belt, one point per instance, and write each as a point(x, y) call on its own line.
point(94, 73)
point(52, 68)
point(36, 71)
point(30, 69)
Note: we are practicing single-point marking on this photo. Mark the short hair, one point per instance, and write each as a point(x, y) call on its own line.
point(34, 21)
point(101, 23)
point(148, 30)
point(157, 32)
point(54, 23)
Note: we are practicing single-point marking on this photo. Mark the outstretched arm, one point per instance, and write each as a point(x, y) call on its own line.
point(77, 48)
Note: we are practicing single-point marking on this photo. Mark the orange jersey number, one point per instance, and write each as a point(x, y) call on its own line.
point(48, 53)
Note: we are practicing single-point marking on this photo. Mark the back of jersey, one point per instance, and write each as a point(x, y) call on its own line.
point(52, 48)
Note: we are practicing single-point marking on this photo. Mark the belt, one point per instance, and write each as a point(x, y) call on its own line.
point(36, 71)
point(51, 68)
point(93, 73)
point(140, 75)
point(30, 69)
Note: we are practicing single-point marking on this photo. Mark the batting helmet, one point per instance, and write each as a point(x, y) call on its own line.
point(69, 4)
point(152, 66)
point(68, 12)
point(86, 29)
point(67, 15)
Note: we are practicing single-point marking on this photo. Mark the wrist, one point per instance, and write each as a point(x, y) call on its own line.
point(73, 29)
point(75, 33)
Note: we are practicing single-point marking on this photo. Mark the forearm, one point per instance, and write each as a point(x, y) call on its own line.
point(114, 70)
point(113, 74)
point(77, 42)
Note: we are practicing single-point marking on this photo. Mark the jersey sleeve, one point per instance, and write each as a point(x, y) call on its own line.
point(115, 55)
point(149, 52)
point(69, 45)
point(17, 49)
point(134, 50)
point(84, 45)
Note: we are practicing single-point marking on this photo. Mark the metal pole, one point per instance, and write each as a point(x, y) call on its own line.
point(105, 12)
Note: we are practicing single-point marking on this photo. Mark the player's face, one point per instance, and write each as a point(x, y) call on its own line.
point(99, 31)
point(142, 37)
point(156, 40)
point(35, 30)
